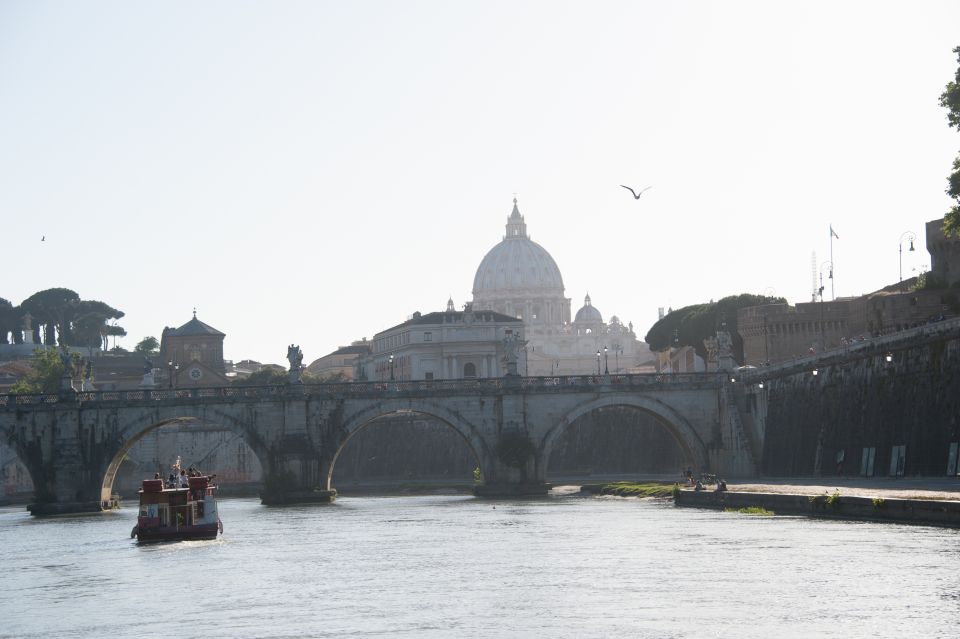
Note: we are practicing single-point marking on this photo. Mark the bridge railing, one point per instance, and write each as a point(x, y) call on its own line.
point(341, 389)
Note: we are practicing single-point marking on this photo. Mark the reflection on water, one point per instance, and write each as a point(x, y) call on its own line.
point(455, 566)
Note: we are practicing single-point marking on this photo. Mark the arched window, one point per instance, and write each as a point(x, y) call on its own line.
point(469, 369)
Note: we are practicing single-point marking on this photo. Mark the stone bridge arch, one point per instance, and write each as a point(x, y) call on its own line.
point(132, 431)
point(676, 424)
point(357, 421)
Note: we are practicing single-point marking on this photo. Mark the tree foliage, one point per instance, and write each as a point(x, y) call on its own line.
point(45, 377)
point(950, 100)
point(275, 375)
point(147, 346)
point(8, 320)
point(59, 316)
point(690, 325)
point(52, 308)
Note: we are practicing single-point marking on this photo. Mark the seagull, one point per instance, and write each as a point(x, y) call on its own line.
point(636, 195)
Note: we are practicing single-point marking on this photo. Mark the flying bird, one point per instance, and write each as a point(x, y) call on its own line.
point(43, 239)
point(636, 195)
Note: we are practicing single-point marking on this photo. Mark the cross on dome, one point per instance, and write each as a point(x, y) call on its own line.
point(516, 227)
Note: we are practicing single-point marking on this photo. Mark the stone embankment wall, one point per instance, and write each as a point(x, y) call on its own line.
point(887, 407)
point(916, 511)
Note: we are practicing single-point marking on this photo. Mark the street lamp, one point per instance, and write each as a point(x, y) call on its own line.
point(907, 235)
point(391, 367)
point(171, 372)
point(598, 361)
point(606, 368)
point(828, 264)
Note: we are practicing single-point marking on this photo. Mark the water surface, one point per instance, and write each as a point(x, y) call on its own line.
point(456, 566)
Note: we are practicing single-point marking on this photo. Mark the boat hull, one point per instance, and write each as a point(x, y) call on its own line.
point(177, 534)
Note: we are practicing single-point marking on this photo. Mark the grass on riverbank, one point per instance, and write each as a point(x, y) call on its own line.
point(751, 510)
point(631, 489)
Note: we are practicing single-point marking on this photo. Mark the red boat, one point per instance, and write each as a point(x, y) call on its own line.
point(172, 514)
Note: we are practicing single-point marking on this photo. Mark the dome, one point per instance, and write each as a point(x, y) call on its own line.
point(588, 313)
point(517, 265)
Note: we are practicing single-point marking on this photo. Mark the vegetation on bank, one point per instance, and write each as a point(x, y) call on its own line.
point(751, 510)
point(631, 489)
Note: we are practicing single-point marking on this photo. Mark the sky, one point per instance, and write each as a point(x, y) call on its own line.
point(312, 173)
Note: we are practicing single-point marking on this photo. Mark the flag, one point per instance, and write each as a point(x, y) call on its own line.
point(833, 233)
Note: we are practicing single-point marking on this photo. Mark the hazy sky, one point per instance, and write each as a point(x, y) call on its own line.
point(315, 172)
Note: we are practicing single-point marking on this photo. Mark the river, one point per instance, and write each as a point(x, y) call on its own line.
point(455, 566)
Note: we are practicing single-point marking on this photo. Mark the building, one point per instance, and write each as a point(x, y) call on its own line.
point(518, 278)
point(340, 364)
point(444, 345)
point(944, 254)
point(192, 355)
point(774, 333)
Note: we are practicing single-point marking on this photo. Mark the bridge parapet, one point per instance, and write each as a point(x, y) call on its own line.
point(486, 386)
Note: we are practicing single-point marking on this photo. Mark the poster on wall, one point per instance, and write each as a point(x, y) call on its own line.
point(952, 459)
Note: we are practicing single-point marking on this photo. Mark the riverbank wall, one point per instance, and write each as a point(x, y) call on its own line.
point(829, 506)
point(888, 406)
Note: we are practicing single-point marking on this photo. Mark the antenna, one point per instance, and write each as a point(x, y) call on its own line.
point(813, 274)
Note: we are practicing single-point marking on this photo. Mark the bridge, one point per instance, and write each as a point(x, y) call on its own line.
point(72, 443)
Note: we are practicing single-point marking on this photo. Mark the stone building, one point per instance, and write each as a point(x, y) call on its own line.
point(192, 355)
point(341, 362)
point(443, 345)
point(519, 278)
point(778, 332)
point(944, 254)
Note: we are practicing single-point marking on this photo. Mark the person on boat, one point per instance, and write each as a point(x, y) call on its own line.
point(172, 481)
point(184, 481)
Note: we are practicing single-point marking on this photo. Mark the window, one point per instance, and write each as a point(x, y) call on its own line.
point(428, 336)
point(469, 369)
point(428, 376)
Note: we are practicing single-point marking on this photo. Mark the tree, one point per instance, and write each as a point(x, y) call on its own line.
point(8, 320)
point(88, 322)
point(54, 308)
point(690, 325)
point(148, 346)
point(266, 376)
point(46, 374)
point(950, 100)
point(112, 331)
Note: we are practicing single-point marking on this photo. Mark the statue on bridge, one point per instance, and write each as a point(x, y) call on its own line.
point(295, 357)
point(511, 353)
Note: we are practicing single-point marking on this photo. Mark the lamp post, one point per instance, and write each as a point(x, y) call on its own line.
point(606, 360)
point(829, 265)
point(598, 361)
point(391, 367)
point(171, 371)
point(906, 235)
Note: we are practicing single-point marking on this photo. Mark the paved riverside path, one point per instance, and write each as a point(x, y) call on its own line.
point(886, 487)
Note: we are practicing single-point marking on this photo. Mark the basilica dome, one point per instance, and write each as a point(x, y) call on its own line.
point(589, 313)
point(517, 265)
